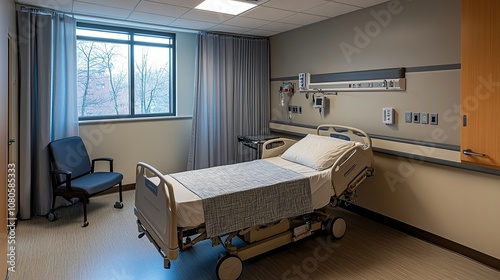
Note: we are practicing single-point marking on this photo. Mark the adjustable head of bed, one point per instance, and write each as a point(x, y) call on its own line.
point(345, 133)
point(347, 151)
point(355, 164)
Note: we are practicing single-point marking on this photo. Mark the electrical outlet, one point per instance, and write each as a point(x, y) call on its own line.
point(424, 117)
point(388, 115)
point(434, 119)
point(416, 117)
point(408, 117)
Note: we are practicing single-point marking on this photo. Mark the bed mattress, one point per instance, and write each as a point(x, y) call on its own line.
point(190, 207)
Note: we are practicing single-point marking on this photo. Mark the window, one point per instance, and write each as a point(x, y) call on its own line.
point(124, 72)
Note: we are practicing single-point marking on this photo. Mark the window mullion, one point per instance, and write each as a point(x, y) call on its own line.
point(132, 76)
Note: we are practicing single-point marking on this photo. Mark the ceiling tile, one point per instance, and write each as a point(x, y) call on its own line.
point(161, 9)
point(268, 18)
point(361, 3)
point(279, 27)
point(181, 3)
point(294, 5)
point(65, 6)
point(331, 9)
point(192, 24)
point(266, 13)
point(230, 29)
point(123, 4)
point(206, 16)
point(151, 18)
point(260, 32)
point(303, 19)
point(91, 9)
point(247, 22)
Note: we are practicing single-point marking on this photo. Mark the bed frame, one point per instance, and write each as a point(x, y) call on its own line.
point(155, 208)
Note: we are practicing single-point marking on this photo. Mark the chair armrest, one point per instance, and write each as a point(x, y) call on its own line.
point(67, 174)
point(110, 160)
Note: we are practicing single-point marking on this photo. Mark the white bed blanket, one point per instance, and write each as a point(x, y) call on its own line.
point(237, 196)
point(190, 207)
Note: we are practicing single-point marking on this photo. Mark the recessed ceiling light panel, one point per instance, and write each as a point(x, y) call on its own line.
point(225, 6)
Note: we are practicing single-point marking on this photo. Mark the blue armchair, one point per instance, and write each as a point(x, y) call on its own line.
point(73, 174)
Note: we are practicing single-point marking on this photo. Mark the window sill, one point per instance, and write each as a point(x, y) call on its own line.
point(142, 119)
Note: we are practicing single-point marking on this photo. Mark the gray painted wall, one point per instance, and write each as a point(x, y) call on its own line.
point(395, 34)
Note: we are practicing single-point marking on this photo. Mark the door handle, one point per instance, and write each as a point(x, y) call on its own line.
point(469, 152)
point(11, 141)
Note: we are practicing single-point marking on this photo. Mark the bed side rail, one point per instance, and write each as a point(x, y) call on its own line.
point(351, 168)
point(346, 133)
point(276, 147)
point(155, 208)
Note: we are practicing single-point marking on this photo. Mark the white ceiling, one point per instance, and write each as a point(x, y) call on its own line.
point(270, 17)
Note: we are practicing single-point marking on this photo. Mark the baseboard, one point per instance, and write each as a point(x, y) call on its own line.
point(127, 187)
point(424, 235)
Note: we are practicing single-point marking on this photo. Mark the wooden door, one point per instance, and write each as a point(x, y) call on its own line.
point(480, 83)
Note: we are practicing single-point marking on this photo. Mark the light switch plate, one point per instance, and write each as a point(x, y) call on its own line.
point(408, 117)
point(424, 117)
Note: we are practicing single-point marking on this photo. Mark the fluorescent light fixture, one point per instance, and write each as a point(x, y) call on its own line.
point(225, 6)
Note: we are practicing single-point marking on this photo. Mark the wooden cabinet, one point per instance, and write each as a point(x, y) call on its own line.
point(480, 83)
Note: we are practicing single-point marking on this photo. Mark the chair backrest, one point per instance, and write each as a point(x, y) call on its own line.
point(69, 154)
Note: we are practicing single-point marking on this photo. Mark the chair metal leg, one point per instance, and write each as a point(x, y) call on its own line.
point(51, 216)
point(85, 222)
point(119, 204)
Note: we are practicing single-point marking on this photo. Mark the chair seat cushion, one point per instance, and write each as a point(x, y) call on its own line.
point(96, 182)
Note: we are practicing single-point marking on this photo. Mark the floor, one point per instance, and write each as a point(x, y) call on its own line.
point(110, 249)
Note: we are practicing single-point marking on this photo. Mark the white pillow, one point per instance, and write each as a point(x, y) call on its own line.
point(317, 152)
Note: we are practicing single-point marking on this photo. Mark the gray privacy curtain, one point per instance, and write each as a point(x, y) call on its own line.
point(231, 98)
point(48, 105)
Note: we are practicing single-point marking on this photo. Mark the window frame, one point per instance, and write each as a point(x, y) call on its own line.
point(131, 32)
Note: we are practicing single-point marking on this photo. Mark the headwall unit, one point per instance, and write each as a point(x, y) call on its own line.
point(369, 80)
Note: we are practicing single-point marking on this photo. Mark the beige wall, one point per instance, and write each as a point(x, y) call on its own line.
point(162, 143)
point(453, 203)
point(404, 39)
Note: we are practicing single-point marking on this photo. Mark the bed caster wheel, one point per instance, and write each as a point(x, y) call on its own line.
point(118, 205)
point(335, 202)
point(166, 263)
point(336, 227)
point(51, 216)
point(229, 267)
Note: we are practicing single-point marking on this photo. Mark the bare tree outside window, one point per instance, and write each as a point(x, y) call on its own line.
point(107, 61)
point(102, 79)
point(152, 80)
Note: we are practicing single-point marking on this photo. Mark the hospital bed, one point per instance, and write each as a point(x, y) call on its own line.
point(296, 180)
